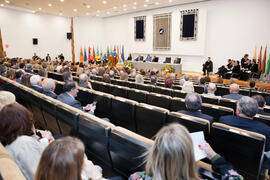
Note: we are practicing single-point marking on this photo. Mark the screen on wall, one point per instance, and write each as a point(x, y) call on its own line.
point(188, 25)
point(140, 29)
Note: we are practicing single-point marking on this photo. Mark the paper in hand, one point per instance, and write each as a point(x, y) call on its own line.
point(198, 139)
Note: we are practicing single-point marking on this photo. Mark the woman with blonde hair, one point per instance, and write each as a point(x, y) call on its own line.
point(171, 157)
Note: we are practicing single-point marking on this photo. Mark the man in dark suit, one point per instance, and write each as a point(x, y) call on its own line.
point(208, 66)
point(234, 92)
point(35, 81)
point(48, 86)
point(244, 61)
point(261, 103)
point(193, 103)
point(247, 108)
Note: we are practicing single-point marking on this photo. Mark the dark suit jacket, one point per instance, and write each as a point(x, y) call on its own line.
point(37, 88)
point(233, 96)
point(51, 94)
point(249, 125)
point(254, 68)
point(236, 69)
point(198, 114)
point(67, 99)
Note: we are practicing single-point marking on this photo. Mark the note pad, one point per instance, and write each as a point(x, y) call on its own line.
point(198, 139)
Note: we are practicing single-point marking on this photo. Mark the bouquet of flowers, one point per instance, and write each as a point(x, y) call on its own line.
point(129, 65)
point(168, 69)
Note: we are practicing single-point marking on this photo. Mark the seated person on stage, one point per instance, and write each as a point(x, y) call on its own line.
point(104, 58)
point(244, 61)
point(70, 93)
point(193, 103)
point(138, 58)
point(35, 57)
point(48, 86)
point(129, 57)
point(148, 58)
point(83, 81)
point(234, 92)
point(261, 103)
point(36, 82)
point(234, 72)
point(176, 61)
point(247, 108)
point(211, 90)
point(254, 67)
point(224, 69)
point(208, 66)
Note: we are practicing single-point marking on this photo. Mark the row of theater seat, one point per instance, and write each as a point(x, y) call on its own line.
point(122, 148)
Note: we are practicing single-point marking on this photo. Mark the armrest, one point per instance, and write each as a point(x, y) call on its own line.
point(205, 166)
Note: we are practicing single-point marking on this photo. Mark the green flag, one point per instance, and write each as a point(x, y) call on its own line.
point(267, 66)
point(108, 51)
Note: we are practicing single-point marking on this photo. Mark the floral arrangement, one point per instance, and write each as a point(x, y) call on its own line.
point(129, 65)
point(168, 69)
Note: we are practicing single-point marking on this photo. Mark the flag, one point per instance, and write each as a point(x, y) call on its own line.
point(260, 59)
point(264, 60)
point(89, 53)
point(267, 66)
point(255, 53)
point(108, 52)
point(85, 55)
point(94, 53)
point(81, 55)
point(123, 54)
point(114, 48)
point(97, 51)
point(117, 57)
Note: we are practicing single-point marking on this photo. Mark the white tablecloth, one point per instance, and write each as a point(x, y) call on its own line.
point(156, 65)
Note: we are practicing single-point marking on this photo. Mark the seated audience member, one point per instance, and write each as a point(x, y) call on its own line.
point(48, 86)
point(67, 76)
point(111, 74)
point(83, 81)
point(188, 87)
point(26, 80)
point(21, 139)
point(139, 79)
point(247, 108)
point(64, 159)
point(42, 72)
point(193, 103)
point(168, 83)
point(208, 66)
point(171, 157)
point(202, 83)
point(6, 98)
point(133, 74)
point(124, 76)
point(106, 78)
point(19, 74)
point(153, 80)
point(186, 77)
point(220, 81)
point(261, 103)
point(252, 84)
point(94, 72)
point(21, 66)
point(3, 70)
point(29, 68)
point(36, 83)
point(70, 93)
point(148, 58)
point(211, 90)
point(11, 74)
point(234, 92)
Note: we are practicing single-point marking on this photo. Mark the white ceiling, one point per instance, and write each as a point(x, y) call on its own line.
point(102, 8)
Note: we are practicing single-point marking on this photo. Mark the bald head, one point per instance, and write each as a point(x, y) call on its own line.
point(234, 88)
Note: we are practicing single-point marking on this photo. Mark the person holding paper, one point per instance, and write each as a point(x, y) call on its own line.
point(172, 157)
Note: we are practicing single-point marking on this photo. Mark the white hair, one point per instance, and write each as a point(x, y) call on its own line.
point(188, 87)
point(48, 85)
point(139, 79)
point(35, 79)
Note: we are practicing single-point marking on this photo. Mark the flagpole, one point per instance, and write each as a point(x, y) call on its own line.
point(72, 42)
point(1, 46)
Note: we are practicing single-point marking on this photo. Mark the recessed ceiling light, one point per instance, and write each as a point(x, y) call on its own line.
point(62, 0)
point(156, 3)
point(60, 14)
point(98, 11)
point(124, 5)
point(170, 1)
point(134, 7)
point(125, 9)
point(146, 0)
point(114, 7)
point(135, 3)
point(7, 1)
point(145, 5)
point(104, 2)
point(2, 5)
point(88, 6)
point(33, 11)
point(40, 9)
point(108, 12)
point(97, 15)
point(87, 14)
point(50, 5)
point(75, 10)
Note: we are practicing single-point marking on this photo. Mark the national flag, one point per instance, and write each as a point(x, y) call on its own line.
point(264, 60)
point(94, 53)
point(255, 53)
point(85, 55)
point(108, 52)
point(81, 55)
point(267, 66)
point(123, 54)
point(97, 51)
point(260, 59)
point(89, 53)
point(117, 57)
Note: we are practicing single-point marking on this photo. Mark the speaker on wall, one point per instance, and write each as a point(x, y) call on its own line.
point(69, 35)
point(35, 41)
